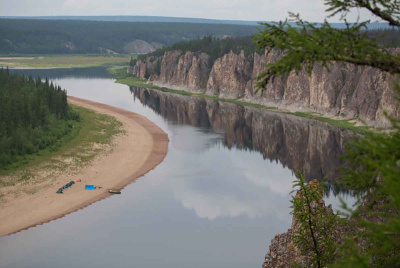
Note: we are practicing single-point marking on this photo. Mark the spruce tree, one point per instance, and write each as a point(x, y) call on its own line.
point(374, 171)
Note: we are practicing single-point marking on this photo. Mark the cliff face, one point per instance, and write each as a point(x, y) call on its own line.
point(346, 91)
point(229, 76)
point(143, 69)
point(187, 71)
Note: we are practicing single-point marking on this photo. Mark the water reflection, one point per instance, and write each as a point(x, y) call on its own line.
point(218, 182)
point(213, 202)
point(309, 146)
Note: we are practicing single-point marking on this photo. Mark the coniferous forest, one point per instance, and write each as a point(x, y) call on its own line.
point(212, 46)
point(217, 47)
point(27, 36)
point(34, 115)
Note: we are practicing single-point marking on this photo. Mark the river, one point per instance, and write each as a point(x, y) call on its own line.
point(219, 197)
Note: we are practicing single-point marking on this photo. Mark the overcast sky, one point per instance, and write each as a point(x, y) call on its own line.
point(266, 10)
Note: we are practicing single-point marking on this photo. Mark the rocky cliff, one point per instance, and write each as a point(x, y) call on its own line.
point(283, 251)
point(346, 91)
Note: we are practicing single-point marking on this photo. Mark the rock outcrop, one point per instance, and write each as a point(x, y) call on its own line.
point(283, 252)
point(184, 71)
point(229, 76)
point(140, 47)
point(346, 91)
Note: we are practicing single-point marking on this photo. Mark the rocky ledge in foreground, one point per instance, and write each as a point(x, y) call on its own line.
point(282, 251)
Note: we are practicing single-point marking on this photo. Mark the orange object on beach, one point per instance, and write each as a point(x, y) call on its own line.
point(78, 180)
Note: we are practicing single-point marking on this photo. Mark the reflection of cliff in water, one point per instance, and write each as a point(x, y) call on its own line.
point(309, 146)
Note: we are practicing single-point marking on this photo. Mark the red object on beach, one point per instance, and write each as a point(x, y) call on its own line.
point(78, 180)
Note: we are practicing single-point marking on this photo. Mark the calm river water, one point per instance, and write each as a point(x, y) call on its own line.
point(216, 201)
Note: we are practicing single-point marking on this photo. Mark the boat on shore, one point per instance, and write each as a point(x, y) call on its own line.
point(114, 192)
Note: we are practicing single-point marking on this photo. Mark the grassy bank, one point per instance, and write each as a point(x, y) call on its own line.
point(90, 136)
point(63, 61)
point(123, 78)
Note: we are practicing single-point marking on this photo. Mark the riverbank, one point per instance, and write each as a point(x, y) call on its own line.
point(139, 149)
point(62, 61)
point(123, 78)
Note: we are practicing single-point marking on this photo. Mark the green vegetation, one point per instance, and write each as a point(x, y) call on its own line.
point(59, 61)
point(217, 47)
point(29, 36)
point(373, 171)
point(34, 115)
point(123, 78)
point(95, 128)
point(72, 151)
point(118, 72)
point(339, 123)
point(214, 47)
point(306, 44)
point(386, 37)
point(36, 123)
point(315, 226)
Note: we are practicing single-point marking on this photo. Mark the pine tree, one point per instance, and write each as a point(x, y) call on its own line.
point(157, 68)
point(374, 172)
point(314, 224)
point(32, 113)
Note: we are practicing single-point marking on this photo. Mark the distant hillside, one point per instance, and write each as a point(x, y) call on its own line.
point(216, 47)
point(213, 47)
point(28, 36)
point(140, 19)
point(113, 34)
point(168, 20)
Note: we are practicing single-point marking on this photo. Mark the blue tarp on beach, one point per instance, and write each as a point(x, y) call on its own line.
point(89, 187)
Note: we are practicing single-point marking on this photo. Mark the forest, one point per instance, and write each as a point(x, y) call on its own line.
point(217, 47)
point(34, 115)
point(212, 46)
point(387, 37)
point(29, 36)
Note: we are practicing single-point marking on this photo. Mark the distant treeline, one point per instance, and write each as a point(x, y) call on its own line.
point(26, 36)
point(339, 25)
point(214, 47)
point(34, 115)
point(217, 47)
point(387, 37)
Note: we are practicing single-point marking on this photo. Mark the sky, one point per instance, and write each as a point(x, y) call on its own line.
point(253, 10)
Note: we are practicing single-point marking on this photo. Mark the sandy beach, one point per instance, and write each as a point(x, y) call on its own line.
point(143, 146)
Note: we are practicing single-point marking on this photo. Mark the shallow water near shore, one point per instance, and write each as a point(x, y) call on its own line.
point(219, 197)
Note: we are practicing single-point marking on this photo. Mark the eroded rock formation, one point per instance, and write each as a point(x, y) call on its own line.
point(346, 91)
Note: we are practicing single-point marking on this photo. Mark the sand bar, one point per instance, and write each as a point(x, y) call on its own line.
point(142, 148)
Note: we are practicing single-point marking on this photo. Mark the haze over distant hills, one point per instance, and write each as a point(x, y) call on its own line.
point(140, 19)
point(113, 34)
point(165, 19)
point(42, 36)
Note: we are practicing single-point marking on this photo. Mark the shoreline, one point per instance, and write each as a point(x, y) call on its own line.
point(37, 68)
point(62, 61)
point(140, 150)
point(51, 67)
point(341, 123)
